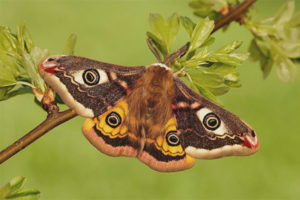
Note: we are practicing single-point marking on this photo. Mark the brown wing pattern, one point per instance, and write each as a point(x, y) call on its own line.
point(208, 131)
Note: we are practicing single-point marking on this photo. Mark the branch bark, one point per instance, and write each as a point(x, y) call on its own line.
point(56, 118)
point(234, 14)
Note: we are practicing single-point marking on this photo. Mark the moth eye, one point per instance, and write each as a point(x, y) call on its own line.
point(211, 121)
point(91, 77)
point(113, 119)
point(172, 138)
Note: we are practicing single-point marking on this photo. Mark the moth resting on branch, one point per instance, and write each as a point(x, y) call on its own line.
point(133, 113)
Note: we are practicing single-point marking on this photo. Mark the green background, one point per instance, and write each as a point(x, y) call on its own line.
point(63, 165)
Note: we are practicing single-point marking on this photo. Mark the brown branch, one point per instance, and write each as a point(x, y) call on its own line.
point(54, 119)
point(234, 14)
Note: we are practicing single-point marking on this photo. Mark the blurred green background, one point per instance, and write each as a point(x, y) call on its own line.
point(63, 165)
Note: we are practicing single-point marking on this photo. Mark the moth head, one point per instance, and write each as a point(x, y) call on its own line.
point(220, 134)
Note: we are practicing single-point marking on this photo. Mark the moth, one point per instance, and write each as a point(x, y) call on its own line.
point(146, 112)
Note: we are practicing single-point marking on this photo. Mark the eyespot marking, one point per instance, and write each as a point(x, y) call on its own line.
point(113, 120)
point(172, 138)
point(211, 121)
point(91, 77)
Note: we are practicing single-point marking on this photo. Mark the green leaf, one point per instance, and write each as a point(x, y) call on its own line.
point(17, 183)
point(14, 190)
point(70, 44)
point(8, 41)
point(219, 90)
point(188, 24)
point(286, 69)
point(165, 30)
point(10, 62)
point(158, 43)
point(233, 59)
point(31, 62)
point(285, 13)
point(209, 95)
point(230, 47)
point(291, 48)
point(206, 78)
point(6, 77)
point(9, 92)
point(208, 8)
point(24, 39)
point(259, 51)
point(200, 33)
point(31, 193)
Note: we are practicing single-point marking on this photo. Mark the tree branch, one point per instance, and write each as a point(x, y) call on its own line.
point(56, 118)
point(234, 14)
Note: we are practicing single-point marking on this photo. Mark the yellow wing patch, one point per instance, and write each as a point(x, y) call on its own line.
point(162, 144)
point(111, 123)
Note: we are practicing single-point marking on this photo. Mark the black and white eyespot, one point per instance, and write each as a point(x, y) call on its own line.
point(113, 120)
point(172, 138)
point(90, 77)
point(211, 121)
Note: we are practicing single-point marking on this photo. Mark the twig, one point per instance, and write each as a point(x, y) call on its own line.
point(55, 118)
point(233, 15)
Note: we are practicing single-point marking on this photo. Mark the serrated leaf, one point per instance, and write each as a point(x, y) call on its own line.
point(286, 69)
point(291, 48)
point(285, 13)
point(10, 62)
point(8, 41)
point(13, 190)
point(229, 74)
point(24, 39)
point(197, 59)
point(200, 34)
point(230, 47)
point(70, 44)
point(219, 90)
point(158, 43)
point(165, 30)
point(6, 77)
point(259, 51)
point(188, 25)
point(31, 61)
point(31, 193)
point(17, 183)
point(9, 92)
point(205, 78)
point(233, 59)
point(208, 94)
point(211, 5)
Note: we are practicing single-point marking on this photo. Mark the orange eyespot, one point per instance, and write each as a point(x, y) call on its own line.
point(211, 121)
point(91, 77)
point(172, 138)
point(113, 119)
